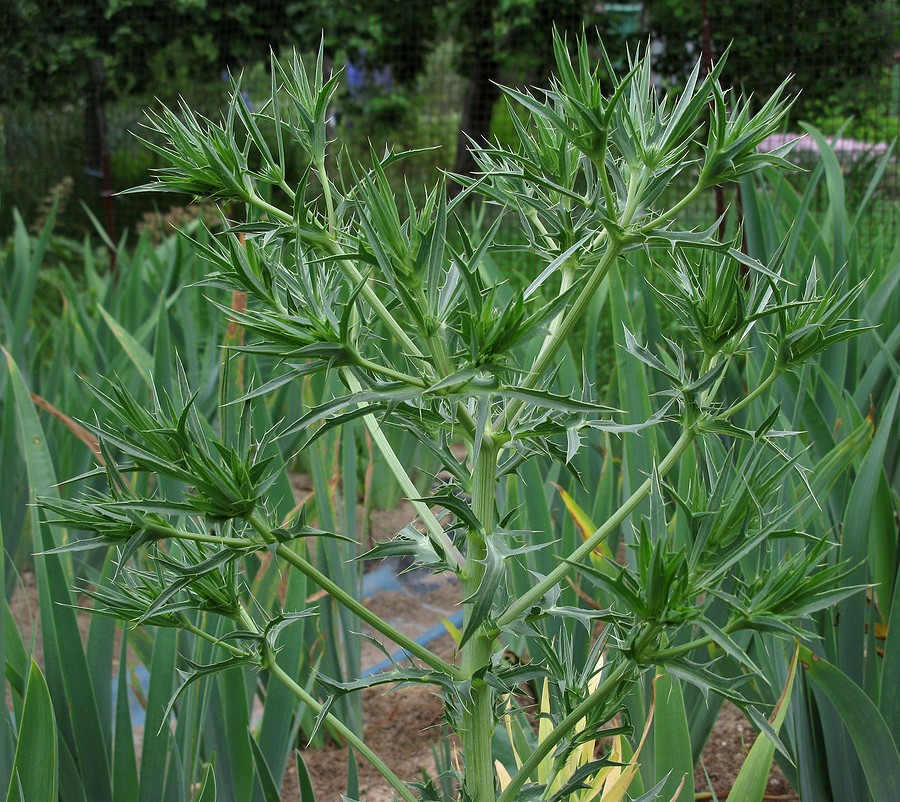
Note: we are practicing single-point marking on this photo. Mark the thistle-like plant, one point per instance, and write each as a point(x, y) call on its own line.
point(388, 294)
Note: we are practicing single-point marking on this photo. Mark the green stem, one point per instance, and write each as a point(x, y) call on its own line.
point(608, 195)
point(629, 506)
point(565, 728)
point(323, 581)
point(200, 633)
point(435, 530)
point(477, 727)
point(287, 189)
point(326, 191)
point(753, 395)
point(352, 273)
point(676, 651)
point(352, 739)
point(310, 701)
point(436, 346)
point(562, 325)
point(269, 209)
point(356, 277)
point(532, 215)
point(331, 587)
point(643, 635)
point(558, 334)
point(636, 187)
point(200, 537)
point(568, 278)
point(561, 330)
point(364, 613)
point(710, 360)
point(438, 350)
point(380, 309)
point(673, 212)
point(390, 373)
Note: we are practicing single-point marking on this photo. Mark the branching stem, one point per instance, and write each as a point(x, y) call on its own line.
point(310, 701)
point(364, 613)
point(675, 210)
point(525, 601)
point(326, 191)
point(562, 327)
point(566, 727)
point(753, 394)
point(389, 373)
point(435, 530)
point(236, 651)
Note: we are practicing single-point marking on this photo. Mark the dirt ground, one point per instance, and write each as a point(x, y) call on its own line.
point(402, 725)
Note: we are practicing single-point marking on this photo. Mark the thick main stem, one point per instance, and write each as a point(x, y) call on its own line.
point(477, 729)
point(560, 330)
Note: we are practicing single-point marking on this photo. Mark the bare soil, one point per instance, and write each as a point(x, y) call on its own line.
point(402, 725)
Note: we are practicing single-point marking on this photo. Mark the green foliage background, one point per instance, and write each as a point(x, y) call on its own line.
point(836, 51)
point(840, 52)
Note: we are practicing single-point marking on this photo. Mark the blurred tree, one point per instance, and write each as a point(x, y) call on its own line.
point(158, 45)
point(372, 33)
point(47, 46)
point(497, 38)
point(504, 37)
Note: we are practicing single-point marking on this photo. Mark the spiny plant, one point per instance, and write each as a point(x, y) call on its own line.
point(345, 279)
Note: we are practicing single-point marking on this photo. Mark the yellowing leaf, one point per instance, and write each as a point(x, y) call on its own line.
point(750, 784)
point(583, 522)
point(502, 775)
point(545, 727)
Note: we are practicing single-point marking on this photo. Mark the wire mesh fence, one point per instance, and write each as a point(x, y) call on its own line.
point(416, 74)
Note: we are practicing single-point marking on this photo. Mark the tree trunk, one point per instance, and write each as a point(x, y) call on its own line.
point(480, 66)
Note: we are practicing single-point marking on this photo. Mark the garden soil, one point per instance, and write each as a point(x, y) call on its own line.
point(403, 725)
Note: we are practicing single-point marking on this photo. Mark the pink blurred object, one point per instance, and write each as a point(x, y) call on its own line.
point(845, 148)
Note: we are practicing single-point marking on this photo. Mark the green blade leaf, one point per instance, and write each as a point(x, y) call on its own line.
point(306, 790)
point(157, 736)
point(208, 788)
point(855, 543)
point(124, 763)
point(35, 775)
point(672, 740)
point(868, 730)
point(750, 784)
point(136, 352)
point(263, 774)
